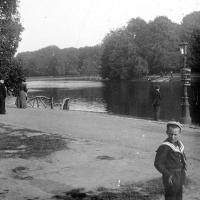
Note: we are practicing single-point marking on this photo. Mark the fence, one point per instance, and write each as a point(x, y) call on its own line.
point(45, 102)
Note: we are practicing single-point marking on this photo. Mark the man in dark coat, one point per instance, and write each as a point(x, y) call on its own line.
point(2, 97)
point(170, 161)
point(156, 103)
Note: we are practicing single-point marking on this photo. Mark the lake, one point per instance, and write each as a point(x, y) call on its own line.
point(132, 98)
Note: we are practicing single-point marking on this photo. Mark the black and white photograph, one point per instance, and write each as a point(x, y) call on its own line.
point(99, 100)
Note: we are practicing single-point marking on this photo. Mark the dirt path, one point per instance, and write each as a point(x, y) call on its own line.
point(46, 153)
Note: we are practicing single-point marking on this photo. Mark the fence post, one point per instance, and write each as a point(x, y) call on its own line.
point(51, 99)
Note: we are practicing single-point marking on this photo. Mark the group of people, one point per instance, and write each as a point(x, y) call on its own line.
point(21, 99)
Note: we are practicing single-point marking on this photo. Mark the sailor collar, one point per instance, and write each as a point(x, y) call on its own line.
point(179, 148)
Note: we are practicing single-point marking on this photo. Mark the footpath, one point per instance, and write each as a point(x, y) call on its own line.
point(49, 154)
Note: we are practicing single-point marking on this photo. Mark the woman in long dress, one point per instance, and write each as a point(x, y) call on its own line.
point(22, 96)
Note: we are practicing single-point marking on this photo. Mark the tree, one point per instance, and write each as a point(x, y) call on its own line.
point(10, 30)
point(189, 23)
point(52, 61)
point(89, 60)
point(71, 60)
point(52, 66)
point(32, 68)
point(189, 32)
point(141, 67)
point(162, 45)
point(118, 57)
point(15, 76)
point(140, 48)
point(195, 50)
point(138, 30)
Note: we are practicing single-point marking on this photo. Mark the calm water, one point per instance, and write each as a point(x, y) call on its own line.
point(125, 98)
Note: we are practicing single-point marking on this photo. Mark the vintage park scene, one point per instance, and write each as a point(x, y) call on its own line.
point(114, 118)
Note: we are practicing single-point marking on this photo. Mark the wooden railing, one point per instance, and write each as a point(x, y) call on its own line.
point(45, 102)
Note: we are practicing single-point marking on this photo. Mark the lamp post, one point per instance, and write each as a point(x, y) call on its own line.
point(186, 79)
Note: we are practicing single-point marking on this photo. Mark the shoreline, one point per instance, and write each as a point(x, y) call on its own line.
point(56, 108)
point(99, 78)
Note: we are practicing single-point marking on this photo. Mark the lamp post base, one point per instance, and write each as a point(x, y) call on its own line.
point(185, 114)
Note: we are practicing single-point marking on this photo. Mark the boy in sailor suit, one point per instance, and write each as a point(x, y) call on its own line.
point(170, 161)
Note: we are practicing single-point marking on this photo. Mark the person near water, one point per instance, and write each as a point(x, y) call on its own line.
point(156, 103)
point(2, 97)
point(21, 100)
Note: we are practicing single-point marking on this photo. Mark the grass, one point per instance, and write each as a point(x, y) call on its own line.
point(19, 143)
point(139, 191)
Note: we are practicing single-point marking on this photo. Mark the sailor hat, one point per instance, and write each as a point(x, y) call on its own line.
point(174, 123)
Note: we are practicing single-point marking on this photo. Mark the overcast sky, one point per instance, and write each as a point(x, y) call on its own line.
point(79, 23)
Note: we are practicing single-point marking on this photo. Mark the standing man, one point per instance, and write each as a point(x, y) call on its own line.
point(156, 103)
point(170, 162)
point(2, 97)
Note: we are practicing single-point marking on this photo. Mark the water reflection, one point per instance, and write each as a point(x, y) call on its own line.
point(127, 98)
point(135, 98)
point(124, 98)
point(195, 102)
point(85, 99)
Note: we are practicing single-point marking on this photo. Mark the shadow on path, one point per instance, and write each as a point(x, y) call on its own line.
point(26, 143)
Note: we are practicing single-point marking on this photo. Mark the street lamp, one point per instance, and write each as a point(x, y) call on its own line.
point(186, 79)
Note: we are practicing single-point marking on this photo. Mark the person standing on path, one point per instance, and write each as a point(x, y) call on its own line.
point(21, 101)
point(2, 97)
point(156, 103)
point(170, 161)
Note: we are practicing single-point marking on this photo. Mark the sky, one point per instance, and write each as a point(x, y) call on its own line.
point(79, 23)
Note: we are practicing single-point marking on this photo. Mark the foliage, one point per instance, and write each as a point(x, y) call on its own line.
point(10, 29)
point(141, 67)
point(140, 48)
point(189, 23)
point(138, 30)
point(52, 61)
point(120, 55)
point(162, 43)
point(190, 30)
point(195, 50)
point(15, 76)
point(52, 65)
point(132, 51)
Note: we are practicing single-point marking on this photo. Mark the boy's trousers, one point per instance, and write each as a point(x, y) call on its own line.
point(174, 191)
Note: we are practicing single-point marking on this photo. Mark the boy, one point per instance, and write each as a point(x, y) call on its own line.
point(170, 162)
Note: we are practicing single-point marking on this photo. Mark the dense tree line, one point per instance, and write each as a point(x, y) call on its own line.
point(10, 30)
point(142, 48)
point(135, 50)
point(52, 61)
point(190, 32)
